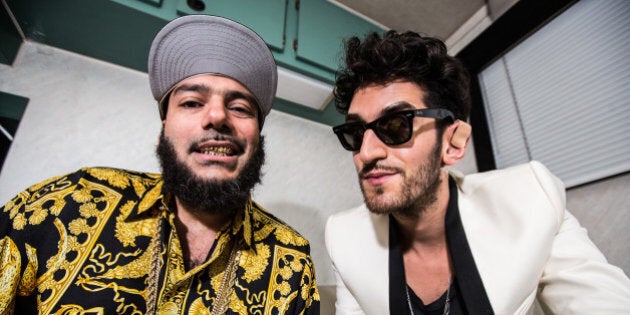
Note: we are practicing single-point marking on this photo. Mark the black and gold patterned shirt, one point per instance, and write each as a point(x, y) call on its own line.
point(91, 242)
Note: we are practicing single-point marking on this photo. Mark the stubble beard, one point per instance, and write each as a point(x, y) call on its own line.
point(210, 196)
point(418, 191)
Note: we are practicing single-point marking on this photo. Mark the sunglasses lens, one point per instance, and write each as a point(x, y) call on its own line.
point(393, 130)
point(351, 136)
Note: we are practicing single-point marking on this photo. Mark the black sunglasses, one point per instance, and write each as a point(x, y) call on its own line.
point(393, 128)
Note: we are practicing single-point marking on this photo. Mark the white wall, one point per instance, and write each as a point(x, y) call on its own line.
point(84, 112)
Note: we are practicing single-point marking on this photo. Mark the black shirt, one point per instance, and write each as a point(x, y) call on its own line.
point(467, 294)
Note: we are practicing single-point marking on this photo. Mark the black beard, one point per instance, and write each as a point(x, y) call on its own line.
point(418, 192)
point(225, 197)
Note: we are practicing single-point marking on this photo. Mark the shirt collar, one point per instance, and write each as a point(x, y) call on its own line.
point(242, 223)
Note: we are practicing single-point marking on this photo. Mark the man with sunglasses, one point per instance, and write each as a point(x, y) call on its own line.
point(430, 241)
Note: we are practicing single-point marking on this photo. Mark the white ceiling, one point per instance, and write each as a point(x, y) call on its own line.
point(456, 22)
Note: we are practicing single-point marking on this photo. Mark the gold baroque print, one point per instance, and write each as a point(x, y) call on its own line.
point(34, 211)
point(46, 281)
point(82, 195)
point(282, 272)
point(73, 309)
point(149, 199)
point(28, 279)
point(308, 285)
point(88, 210)
point(51, 183)
point(58, 285)
point(238, 306)
point(16, 203)
point(114, 177)
point(198, 308)
point(255, 264)
point(100, 260)
point(263, 232)
point(256, 300)
point(287, 236)
point(127, 232)
point(10, 264)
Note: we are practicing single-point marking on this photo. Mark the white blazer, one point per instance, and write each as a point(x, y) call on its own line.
point(527, 247)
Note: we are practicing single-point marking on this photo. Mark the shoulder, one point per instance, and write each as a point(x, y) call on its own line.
point(532, 174)
point(528, 185)
point(118, 178)
point(56, 193)
point(358, 219)
point(353, 215)
point(346, 229)
point(114, 177)
point(267, 226)
point(533, 169)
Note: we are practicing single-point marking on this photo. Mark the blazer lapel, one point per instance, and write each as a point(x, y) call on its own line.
point(398, 303)
point(467, 276)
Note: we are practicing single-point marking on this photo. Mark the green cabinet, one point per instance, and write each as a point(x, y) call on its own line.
point(265, 17)
point(322, 27)
point(304, 35)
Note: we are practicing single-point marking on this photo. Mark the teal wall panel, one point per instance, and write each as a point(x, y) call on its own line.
point(103, 29)
point(11, 110)
point(323, 27)
point(10, 40)
point(12, 106)
point(121, 31)
point(264, 17)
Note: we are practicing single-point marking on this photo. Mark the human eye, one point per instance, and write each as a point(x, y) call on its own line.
point(190, 104)
point(241, 108)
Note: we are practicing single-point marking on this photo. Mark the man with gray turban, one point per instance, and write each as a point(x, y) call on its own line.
point(187, 241)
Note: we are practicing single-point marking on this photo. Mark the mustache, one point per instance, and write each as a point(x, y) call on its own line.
point(376, 166)
point(215, 135)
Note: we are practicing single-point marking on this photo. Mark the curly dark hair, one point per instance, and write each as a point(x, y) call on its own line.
point(408, 57)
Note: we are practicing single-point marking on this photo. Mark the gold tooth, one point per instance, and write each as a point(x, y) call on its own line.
point(217, 151)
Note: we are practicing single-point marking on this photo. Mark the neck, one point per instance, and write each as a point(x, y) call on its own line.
point(427, 229)
point(197, 231)
point(425, 251)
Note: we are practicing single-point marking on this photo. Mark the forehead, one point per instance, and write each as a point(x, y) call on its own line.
point(373, 99)
point(209, 83)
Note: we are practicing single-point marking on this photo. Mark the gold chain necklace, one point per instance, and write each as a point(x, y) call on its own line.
point(222, 300)
point(154, 267)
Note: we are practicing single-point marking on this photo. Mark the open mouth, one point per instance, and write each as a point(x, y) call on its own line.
point(217, 150)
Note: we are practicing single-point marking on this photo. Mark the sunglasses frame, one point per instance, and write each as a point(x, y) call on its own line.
point(437, 113)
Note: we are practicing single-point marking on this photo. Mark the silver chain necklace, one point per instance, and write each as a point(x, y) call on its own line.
point(447, 303)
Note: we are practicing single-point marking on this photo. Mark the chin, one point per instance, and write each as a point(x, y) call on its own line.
point(214, 171)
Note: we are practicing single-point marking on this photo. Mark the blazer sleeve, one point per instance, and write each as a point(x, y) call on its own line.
point(577, 279)
point(345, 303)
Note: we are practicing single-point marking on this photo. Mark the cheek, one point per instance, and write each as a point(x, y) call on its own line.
point(250, 133)
point(357, 162)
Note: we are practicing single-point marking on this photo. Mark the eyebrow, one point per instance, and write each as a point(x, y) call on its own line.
point(391, 108)
point(202, 88)
point(229, 95)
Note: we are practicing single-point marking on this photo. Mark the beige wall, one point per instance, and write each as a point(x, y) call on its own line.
point(603, 208)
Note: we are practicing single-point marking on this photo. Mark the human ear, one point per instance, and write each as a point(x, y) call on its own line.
point(455, 142)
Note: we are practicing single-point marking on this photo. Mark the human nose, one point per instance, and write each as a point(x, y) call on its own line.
point(372, 148)
point(215, 116)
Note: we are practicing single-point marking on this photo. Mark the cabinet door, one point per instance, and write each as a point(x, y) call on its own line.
point(267, 18)
point(322, 27)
